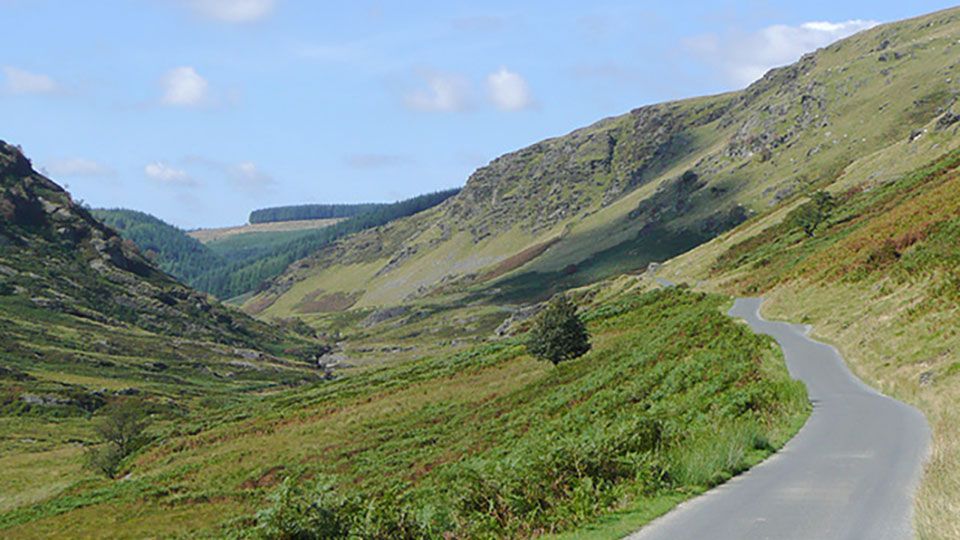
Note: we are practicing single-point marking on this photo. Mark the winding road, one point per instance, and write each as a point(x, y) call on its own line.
point(850, 472)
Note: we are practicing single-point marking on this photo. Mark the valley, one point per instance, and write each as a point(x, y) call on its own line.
point(373, 370)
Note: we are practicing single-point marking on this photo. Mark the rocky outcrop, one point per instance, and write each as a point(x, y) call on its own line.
point(57, 256)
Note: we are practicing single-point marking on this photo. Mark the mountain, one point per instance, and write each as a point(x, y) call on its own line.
point(650, 184)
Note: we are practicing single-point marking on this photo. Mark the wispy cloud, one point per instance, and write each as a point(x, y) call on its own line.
point(78, 167)
point(444, 92)
point(509, 91)
point(233, 11)
point(21, 81)
point(165, 174)
point(744, 58)
point(184, 87)
point(376, 161)
point(246, 175)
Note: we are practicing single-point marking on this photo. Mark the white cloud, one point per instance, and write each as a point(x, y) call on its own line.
point(19, 81)
point(247, 175)
point(744, 58)
point(77, 167)
point(163, 173)
point(233, 11)
point(508, 90)
point(184, 87)
point(444, 93)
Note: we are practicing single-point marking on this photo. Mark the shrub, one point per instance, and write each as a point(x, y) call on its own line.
point(316, 511)
point(558, 334)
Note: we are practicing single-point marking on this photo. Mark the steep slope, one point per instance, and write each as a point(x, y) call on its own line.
point(650, 184)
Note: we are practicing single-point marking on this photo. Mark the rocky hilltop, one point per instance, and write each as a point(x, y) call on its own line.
point(54, 255)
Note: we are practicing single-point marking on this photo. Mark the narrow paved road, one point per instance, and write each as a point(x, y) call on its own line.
point(850, 473)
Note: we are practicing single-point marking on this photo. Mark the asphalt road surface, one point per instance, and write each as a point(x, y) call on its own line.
point(850, 473)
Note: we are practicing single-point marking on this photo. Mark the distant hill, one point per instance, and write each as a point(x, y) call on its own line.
point(169, 247)
point(650, 184)
point(208, 236)
point(236, 262)
point(247, 272)
point(312, 211)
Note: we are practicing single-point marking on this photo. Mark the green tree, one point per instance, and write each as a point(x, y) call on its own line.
point(558, 334)
point(811, 214)
point(120, 428)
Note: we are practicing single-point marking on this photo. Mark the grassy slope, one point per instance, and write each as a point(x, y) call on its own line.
point(880, 281)
point(718, 396)
point(799, 127)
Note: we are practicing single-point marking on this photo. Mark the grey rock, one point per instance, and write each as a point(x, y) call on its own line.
point(382, 315)
point(508, 327)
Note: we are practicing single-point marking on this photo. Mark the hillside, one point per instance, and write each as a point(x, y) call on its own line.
point(650, 184)
point(485, 443)
point(165, 245)
point(254, 263)
point(879, 278)
point(57, 257)
point(60, 265)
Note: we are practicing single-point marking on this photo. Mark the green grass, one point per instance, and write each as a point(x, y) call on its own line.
point(674, 398)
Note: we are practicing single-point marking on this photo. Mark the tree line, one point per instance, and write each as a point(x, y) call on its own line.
point(167, 246)
point(312, 211)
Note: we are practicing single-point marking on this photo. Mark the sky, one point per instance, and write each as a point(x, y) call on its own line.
point(199, 111)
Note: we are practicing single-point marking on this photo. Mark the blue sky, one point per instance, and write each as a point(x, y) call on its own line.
point(199, 111)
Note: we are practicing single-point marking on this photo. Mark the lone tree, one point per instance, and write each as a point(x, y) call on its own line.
point(121, 430)
point(558, 334)
point(809, 215)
